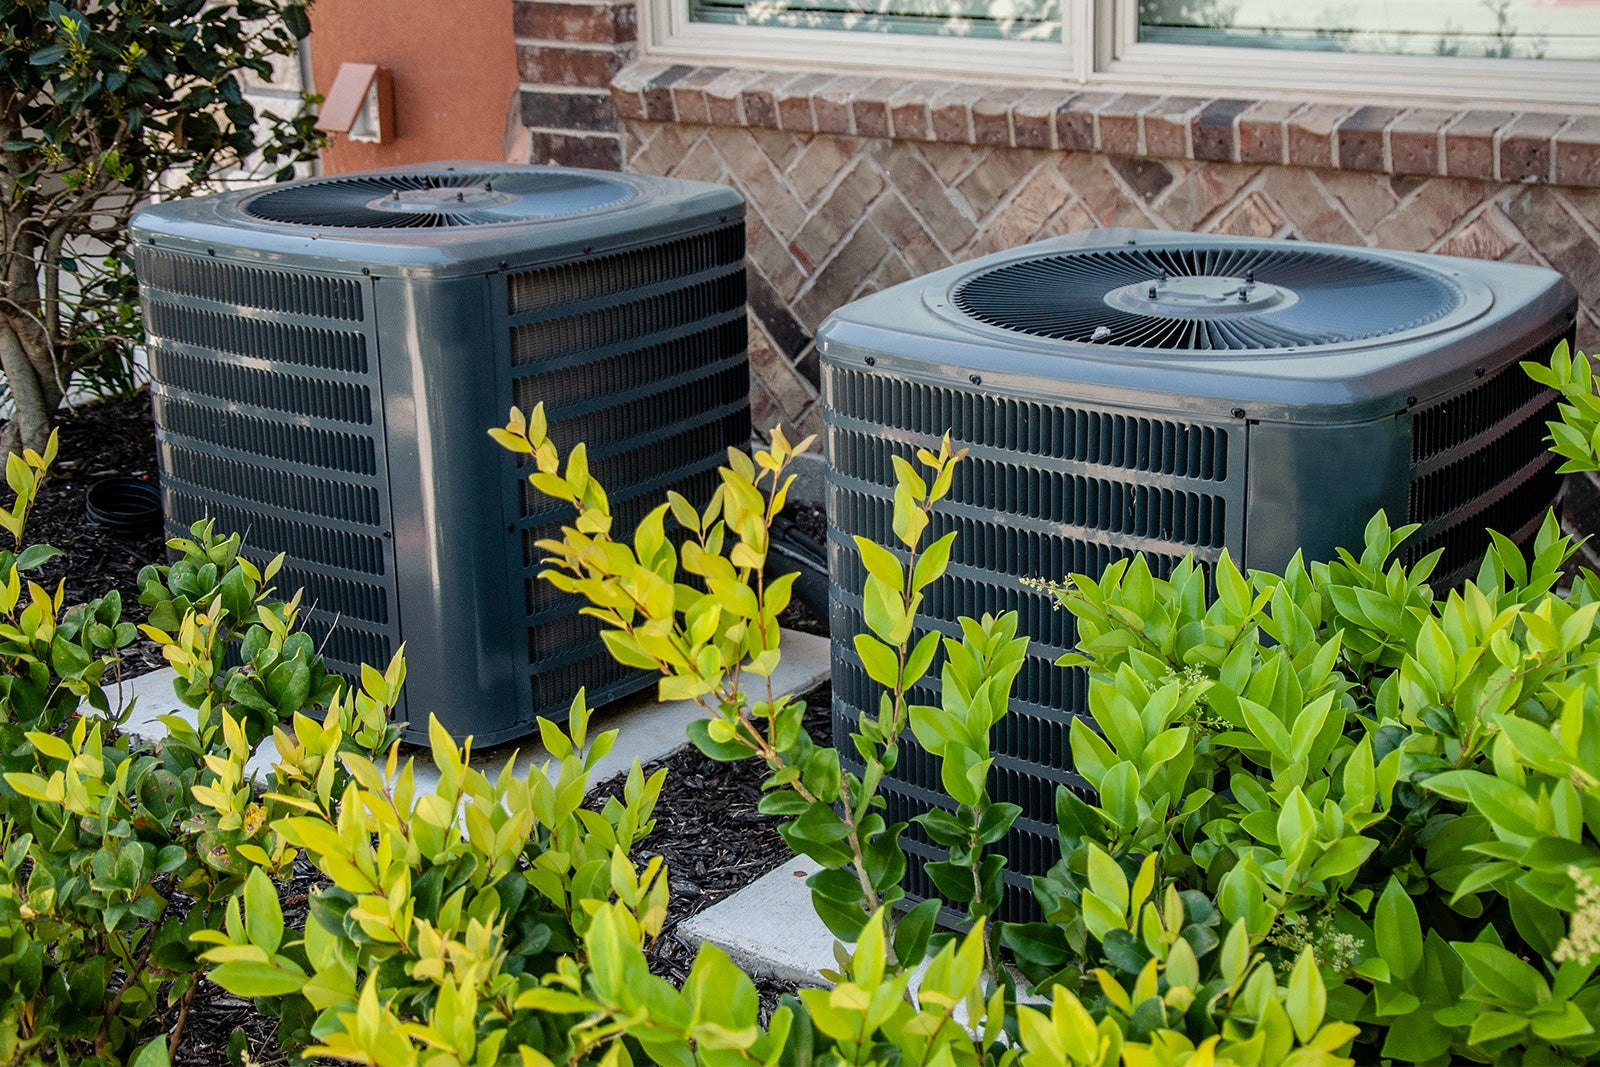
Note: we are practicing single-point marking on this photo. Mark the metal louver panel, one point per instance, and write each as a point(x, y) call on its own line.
point(1479, 463)
point(641, 357)
point(270, 426)
point(1048, 489)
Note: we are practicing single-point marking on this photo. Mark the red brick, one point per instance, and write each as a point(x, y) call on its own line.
point(1033, 119)
point(951, 112)
point(1309, 134)
point(908, 111)
point(870, 108)
point(1361, 138)
point(574, 23)
point(576, 110)
point(1469, 143)
point(724, 97)
point(991, 118)
point(1166, 126)
point(1261, 138)
point(627, 95)
point(830, 104)
point(1213, 131)
point(1075, 121)
point(689, 94)
point(1577, 153)
point(759, 100)
point(551, 65)
point(658, 105)
point(1414, 141)
point(794, 103)
point(1117, 123)
point(597, 151)
point(1254, 216)
point(1523, 151)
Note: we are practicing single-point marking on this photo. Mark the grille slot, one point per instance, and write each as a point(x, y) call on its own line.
point(604, 275)
point(344, 549)
point(259, 436)
point(341, 596)
point(626, 372)
point(270, 390)
point(280, 342)
point(1033, 428)
point(1443, 426)
point(630, 322)
point(253, 287)
point(277, 488)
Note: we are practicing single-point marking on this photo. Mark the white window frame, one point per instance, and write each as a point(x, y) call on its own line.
point(1100, 50)
point(1121, 59)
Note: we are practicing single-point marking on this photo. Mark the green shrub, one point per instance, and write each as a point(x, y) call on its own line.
point(118, 851)
point(1339, 818)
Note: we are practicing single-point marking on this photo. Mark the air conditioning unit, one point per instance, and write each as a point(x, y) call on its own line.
point(1173, 394)
point(328, 354)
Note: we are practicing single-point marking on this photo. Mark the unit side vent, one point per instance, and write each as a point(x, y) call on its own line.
point(1155, 446)
point(1129, 508)
point(276, 488)
point(631, 322)
point(1472, 472)
point(362, 601)
point(599, 276)
point(252, 287)
point(280, 342)
point(1441, 427)
point(271, 390)
point(345, 549)
point(270, 439)
point(593, 382)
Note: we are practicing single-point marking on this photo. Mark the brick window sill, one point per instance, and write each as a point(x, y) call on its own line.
point(1504, 146)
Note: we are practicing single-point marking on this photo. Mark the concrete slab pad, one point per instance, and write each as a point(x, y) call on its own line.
point(648, 729)
point(769, 928)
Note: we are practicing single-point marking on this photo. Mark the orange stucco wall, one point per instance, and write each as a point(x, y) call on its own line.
point(454, 67)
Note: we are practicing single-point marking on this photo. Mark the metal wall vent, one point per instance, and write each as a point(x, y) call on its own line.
point(1196, 421)
point(327, 395)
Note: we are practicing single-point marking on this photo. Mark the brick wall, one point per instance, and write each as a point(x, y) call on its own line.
point(567, 53)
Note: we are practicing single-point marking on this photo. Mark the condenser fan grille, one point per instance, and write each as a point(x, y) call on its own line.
point(1228, 299)
point(438, 199)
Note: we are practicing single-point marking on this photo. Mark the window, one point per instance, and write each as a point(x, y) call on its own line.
point(1487, 52)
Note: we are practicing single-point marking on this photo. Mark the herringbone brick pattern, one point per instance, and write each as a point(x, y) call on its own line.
point(834, 217)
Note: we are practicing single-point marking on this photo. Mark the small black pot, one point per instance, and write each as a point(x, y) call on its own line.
point(791, 550)
point(127, 507)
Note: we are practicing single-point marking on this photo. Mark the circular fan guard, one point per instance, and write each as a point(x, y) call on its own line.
point(1257, 298)
point(437, 199)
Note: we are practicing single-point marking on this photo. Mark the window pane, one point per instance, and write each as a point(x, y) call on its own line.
point(1519, 29)
point(1031, 20)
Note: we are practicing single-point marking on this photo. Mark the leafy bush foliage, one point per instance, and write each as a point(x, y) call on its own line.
point(1338, 817)
point(119, 852)
point(100, 103)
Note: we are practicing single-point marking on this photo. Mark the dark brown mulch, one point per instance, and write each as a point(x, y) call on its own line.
point(100, 440)
point(712, 838)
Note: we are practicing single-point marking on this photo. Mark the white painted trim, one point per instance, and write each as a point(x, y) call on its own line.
point(1212, 70)
point(1099, 50)
point(668, 34)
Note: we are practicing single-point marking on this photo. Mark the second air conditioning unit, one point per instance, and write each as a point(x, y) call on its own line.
point(1128, 391)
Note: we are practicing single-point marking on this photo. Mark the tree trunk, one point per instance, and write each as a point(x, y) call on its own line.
point(34, 397)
